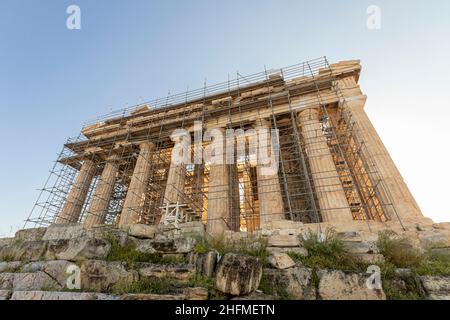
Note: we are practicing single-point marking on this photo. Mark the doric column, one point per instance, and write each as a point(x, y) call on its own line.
point(218, 192)
point(175, 184)
point(251, 219)
point(98, 207)
point(269, 191)
point(402, 199)
point(330, 193)
point(71, 211)
point(138, 186)
point(197, 188)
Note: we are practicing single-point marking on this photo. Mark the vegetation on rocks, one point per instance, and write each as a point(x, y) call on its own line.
point(399, 252)
point(277, 289)
point(328, 252)
point(129, 254)
point(251, 247)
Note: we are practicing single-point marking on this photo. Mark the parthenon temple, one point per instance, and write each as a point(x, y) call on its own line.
point(333, 168)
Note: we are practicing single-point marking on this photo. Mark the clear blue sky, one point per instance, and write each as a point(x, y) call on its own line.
point(53, 79)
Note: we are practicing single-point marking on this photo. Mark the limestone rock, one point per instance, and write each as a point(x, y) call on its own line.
point(5, 294)
point(255, 296)
point(97, 275)
point(295, 283)
point(404, 273)
point(194, 228)
point(6, 281)
point(184, 245)
point(145, 246)
point(196, 293)
point(442, 225)
point(370, 258)
point(164, 245)
point(278, 240)
point(238, 274)
point(51, 295)
point(281, 260)
point(350, 236)
point(204, 263)
point(296, 250)
point(337, 285)
point(361, 247)
point(441, 252)
point(64, 232)
point(25, 251)
point(34, 281)
point(141, 231)
point(284, 224)
point(435, 238)
point(56, 269)
point(78, 249)
point(179, 272)
point(34, 234)
point(436, 287)
point(439, 297)
point(152, 297)
point(6, 242)
point(10, 266)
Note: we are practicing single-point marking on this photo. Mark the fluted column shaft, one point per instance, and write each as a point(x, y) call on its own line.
point(269, 191)
point(218, 194)
point(136, 191)
point(330, 193)
point(70, 213)
point(175, 184)
point(104, 190)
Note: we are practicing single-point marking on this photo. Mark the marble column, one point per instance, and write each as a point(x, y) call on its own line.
point(252, 220)
point(401, 197)
point(175, 184)
point(333, 203)
point(269, 191)
point(70, 213)
point(218, 194)
point(104, 190)
point(132, 206)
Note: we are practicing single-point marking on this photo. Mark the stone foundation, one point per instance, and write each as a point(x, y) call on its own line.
point(35, 264)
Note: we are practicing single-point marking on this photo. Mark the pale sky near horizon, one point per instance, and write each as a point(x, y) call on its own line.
point(53, 79)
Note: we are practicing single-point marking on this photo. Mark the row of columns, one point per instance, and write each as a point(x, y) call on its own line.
point(329, 191)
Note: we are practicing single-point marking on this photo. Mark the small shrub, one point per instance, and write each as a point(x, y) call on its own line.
point(397, 288)
point(128, 253)
point(327, 254)
point(252, 247)
point(7, 258)
point(274, 288)
point(433, 265)
point(398, 250)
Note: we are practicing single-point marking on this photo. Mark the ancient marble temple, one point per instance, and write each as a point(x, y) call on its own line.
point(332, 167)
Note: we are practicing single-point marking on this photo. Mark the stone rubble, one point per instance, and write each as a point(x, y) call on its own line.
point(34, 264)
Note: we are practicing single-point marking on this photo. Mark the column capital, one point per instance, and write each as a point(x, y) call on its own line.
point(262, 122)
point(146, 145)
point(309, 114)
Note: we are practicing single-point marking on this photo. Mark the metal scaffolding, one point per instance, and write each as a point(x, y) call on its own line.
point(307, 84)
